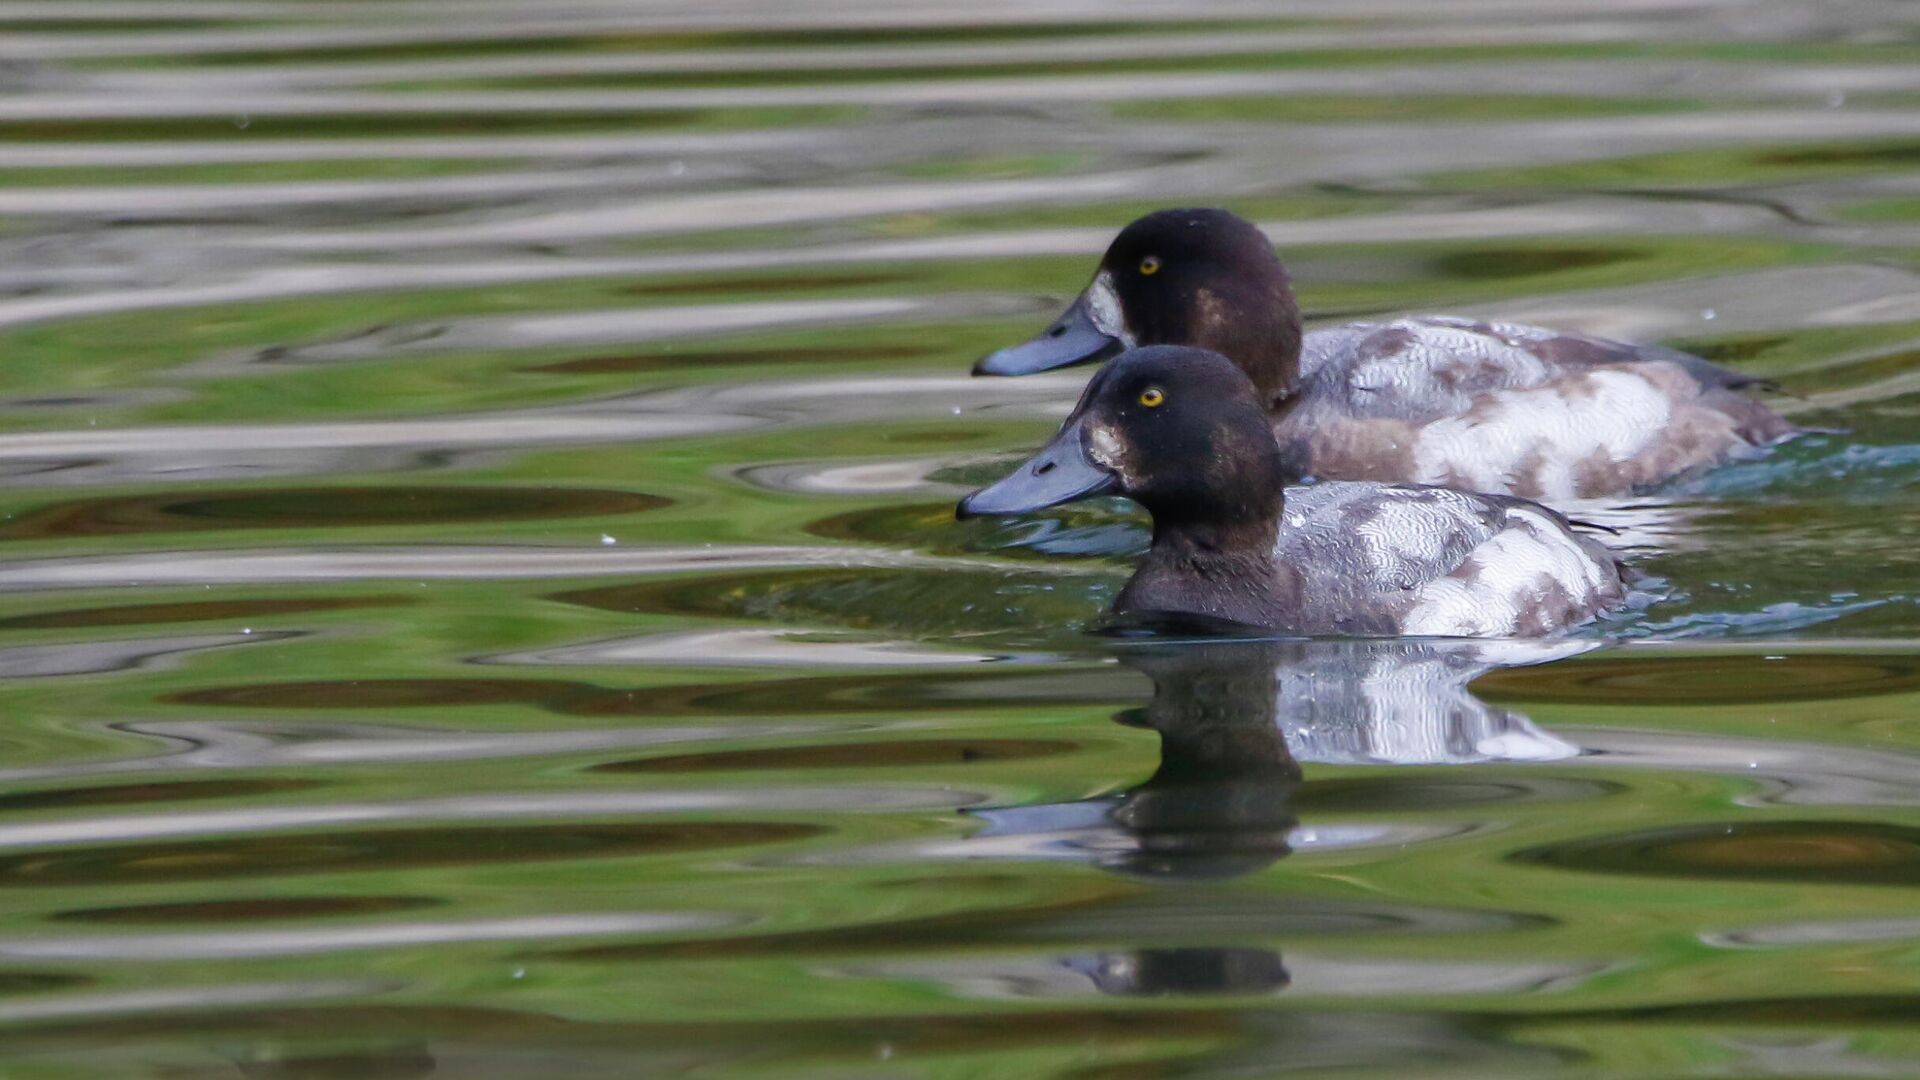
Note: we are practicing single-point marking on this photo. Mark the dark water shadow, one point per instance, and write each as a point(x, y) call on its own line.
point(1759, 677)
point(891, 754)
point(196, 611)
point(1823, 853)
point(256, 909)
point(919, 692)
point(14, 983)
point(381, 849)
point(154, 792)
point(315, 508)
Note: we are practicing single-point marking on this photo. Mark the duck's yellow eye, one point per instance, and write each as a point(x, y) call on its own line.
point(1152, 396)
point(1150, 265)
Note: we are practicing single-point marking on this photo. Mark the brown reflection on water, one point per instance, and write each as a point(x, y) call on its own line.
point(259, 909)
point(1891, 152)
point(888, 693)
point(325, 507)
point(34, 982)
point(980, 927)
point(195, 611)
point(1628, 679)
point(888, 523)
point(1811, 852)
point(413, 849)
point(892, 693)
point(171, 791)
point(867, 755)
point(1767, 1013)
point(551, 694)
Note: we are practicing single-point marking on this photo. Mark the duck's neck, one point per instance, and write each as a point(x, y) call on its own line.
point(1257, 326)
point(1221, 569)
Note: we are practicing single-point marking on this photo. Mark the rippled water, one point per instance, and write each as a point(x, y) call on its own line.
point(478, 592)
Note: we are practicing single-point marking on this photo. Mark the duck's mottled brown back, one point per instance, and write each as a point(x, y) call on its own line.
point(1440, 562)
point(1505, 408)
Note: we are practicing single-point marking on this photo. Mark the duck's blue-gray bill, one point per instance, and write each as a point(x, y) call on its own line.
point(1072, 339)
point(1060, 472)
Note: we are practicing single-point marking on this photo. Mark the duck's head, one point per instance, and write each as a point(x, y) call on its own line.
point(1177, 277)
point(1179, 430)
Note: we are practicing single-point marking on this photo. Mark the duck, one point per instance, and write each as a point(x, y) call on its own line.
point(1184, 433)
point(1495, 407)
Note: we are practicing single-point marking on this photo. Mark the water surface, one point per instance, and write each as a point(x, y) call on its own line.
point(479, 596)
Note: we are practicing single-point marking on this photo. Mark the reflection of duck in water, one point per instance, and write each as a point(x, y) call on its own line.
point(1235, 720)
point(1219, 805)
point(1362, 702)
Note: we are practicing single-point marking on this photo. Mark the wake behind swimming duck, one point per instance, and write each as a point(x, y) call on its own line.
point(1424, 399)
point(1182, 432)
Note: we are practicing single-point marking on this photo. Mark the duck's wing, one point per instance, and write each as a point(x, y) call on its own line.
point(1442, 562)
point(1511, 408)
point(1426, 366)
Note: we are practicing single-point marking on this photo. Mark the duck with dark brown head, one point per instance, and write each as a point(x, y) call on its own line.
point(1493, 407)
point(1183, 432)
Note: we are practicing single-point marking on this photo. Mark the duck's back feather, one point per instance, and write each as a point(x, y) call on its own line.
point(1435, 561)
point(1509, 408)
